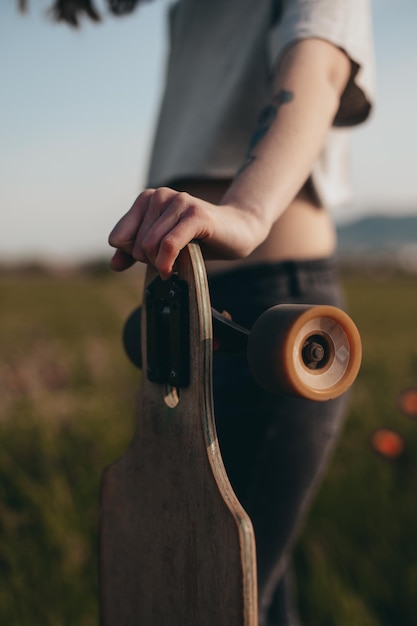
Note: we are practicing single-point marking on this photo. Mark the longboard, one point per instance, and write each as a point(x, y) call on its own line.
point(176, 546)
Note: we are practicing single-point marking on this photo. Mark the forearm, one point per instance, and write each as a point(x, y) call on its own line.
point(292, 130)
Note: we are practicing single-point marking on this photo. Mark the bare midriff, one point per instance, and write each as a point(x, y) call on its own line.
point(304, 231)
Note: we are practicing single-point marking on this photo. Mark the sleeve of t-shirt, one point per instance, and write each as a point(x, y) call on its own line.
point(345, 23)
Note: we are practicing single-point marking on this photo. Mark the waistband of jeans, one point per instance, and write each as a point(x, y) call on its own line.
point(314, 268)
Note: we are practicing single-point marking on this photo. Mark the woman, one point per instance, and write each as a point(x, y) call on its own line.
point(248, 156)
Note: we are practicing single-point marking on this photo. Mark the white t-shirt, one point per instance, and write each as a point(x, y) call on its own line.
point(219, 77)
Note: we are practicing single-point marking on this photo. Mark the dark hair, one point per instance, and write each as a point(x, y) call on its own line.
point(71, 11)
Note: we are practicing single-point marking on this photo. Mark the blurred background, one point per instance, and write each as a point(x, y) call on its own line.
point(77, 112)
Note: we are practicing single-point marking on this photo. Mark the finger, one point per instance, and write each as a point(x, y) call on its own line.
point(168, 209)
point(189, 227)
point(121, 261)
point(155, 222)
point(124, 234)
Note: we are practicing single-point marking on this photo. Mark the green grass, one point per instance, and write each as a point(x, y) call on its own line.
point(357, 560)
point(66, 411)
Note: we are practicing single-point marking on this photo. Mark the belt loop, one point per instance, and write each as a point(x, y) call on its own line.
point(293, 279)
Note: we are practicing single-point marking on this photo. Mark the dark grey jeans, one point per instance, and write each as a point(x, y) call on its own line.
point(274, 447)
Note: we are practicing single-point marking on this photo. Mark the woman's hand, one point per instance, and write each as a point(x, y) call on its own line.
point(162, 222)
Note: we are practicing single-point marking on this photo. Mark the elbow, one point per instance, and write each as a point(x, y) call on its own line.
point(315, 60)
point(339, 70)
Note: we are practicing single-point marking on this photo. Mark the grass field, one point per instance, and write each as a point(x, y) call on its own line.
point(66, 411)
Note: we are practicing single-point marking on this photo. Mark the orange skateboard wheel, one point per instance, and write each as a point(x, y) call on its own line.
point(312, 351)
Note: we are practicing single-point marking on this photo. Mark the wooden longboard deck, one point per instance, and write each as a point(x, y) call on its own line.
point(176, 547)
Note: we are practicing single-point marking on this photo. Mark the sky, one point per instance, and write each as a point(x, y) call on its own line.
point(78, 110)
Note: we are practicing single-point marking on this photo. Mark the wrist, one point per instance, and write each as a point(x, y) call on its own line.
point(252, 226)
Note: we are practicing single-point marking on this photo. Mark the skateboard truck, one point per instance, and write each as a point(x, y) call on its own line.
point(312, 351)
point(166, 334)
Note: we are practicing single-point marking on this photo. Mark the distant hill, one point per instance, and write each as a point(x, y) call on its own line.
point(377, 233)
point(379, 245)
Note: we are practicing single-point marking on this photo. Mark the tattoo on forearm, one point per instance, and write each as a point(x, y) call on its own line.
point(267, 116)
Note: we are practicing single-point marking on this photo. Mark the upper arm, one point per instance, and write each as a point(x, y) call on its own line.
point(346, 24)
point(320, 60)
